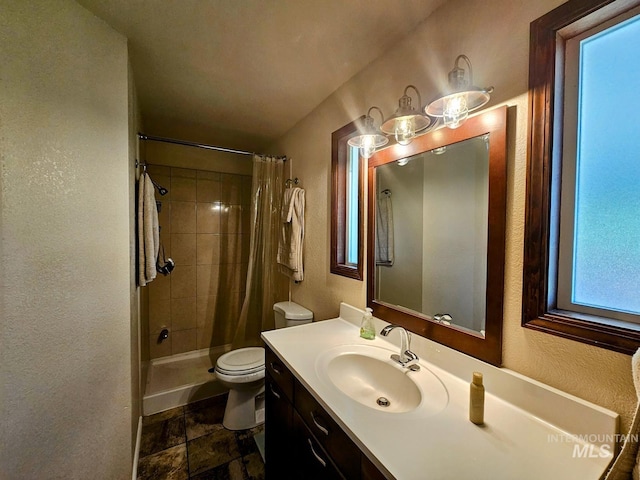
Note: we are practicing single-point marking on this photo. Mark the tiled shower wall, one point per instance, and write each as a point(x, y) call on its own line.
point(204, 228)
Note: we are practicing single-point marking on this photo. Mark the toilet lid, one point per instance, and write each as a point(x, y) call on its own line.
point(241, 361)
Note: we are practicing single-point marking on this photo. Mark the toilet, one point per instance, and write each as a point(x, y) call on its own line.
point(242, 372)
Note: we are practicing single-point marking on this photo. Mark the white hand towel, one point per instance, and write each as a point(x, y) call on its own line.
point(148, 231)
point(291, 240)
point(626, 465)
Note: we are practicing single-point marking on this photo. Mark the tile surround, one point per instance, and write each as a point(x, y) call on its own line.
point(183, 189)
point(183, 248)
point(183, 313)
point(183, 217)
point(183, 341)
point(208, 217)
point(183, 281)
point(159, 315)
point(204, 223)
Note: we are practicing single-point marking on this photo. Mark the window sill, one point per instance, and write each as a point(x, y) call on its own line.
point(616, 335)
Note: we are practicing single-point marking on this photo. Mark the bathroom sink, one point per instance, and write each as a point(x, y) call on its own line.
point(367, 375)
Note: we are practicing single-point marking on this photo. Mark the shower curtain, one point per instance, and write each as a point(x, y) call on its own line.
point(262, 276)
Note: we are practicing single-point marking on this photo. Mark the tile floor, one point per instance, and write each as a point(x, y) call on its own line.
point(190, 443)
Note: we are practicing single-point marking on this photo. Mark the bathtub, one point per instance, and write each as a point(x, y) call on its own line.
point(180, 379)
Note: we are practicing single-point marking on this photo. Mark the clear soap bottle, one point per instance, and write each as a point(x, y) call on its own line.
point(367, 330)
point(476, 399)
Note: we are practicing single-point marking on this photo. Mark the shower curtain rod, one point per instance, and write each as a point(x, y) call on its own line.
point(153, 138)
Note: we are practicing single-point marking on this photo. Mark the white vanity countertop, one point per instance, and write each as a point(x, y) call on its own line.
point(513, 444)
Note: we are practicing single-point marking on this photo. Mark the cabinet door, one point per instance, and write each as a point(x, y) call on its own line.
point(312, 462)
point(279, 372)
point(370, 471)
point(344, 453)
point(278, 428)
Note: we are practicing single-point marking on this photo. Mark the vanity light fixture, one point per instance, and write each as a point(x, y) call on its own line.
point(463, 97)
point(406, 122)
point(370, 137)
point(403, 161)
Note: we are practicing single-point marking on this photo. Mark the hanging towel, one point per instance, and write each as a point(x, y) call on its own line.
point(148, 230)
point(626, 466)
point(292, 234)
point(384, 230)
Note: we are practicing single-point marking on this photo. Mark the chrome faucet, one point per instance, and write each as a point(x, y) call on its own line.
point(407, 358)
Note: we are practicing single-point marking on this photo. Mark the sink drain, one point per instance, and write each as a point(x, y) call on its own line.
point(383, 402)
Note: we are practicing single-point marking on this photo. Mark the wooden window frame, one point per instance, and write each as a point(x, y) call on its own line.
point(339, 158)
point(544, 163)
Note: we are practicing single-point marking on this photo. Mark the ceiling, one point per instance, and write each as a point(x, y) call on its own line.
point(241, 73)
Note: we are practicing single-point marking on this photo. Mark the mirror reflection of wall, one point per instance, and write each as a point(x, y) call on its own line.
point(400, 283)
point(439, 203)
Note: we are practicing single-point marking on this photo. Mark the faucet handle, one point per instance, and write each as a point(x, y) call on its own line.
point(408, 359)
point(411, 361)
point(410, 356)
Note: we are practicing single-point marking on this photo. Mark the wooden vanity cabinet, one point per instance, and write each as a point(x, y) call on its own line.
point(301, 439)
point(312, 461)
point(279, 425)
point(328, 433)
point(279, 418)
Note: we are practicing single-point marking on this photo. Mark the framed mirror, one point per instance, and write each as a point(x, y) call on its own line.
point(347, 204)
point(436, 235)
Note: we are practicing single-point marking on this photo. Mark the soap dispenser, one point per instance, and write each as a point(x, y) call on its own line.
point(367, 330)
point(476, 399)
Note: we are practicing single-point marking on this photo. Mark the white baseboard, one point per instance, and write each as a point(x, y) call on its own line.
point(136, 453)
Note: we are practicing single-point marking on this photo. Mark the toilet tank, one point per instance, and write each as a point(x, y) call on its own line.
point(288, 314)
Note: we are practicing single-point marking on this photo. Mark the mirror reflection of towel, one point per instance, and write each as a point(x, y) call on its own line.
point(384, 230)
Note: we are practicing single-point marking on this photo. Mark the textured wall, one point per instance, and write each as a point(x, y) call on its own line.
point(137, 380)
point(495, 35)
point(65, 322)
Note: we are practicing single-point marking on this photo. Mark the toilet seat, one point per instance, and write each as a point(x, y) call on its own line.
point(244, 362)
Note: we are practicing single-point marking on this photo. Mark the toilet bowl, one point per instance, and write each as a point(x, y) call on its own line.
point(242, 372)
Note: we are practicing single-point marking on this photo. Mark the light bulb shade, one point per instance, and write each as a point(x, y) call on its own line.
point(369, 138)
point(455, 110)
point(475, 98)
point(406, 122)
point(463, 97)
point(368, 143)
point(405, 129)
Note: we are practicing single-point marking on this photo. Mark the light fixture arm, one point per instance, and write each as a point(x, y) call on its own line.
point(456, 76)
point(408, 98)
point(379, 111)
point(407, 120)
point(462, 97)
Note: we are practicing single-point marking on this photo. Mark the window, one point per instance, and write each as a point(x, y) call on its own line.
point(582, 236)
point(599, 253)
point(352, 207)
point(346, 204)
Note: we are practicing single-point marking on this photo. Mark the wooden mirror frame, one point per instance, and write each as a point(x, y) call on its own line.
point(339, 157)
point(489, 347)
